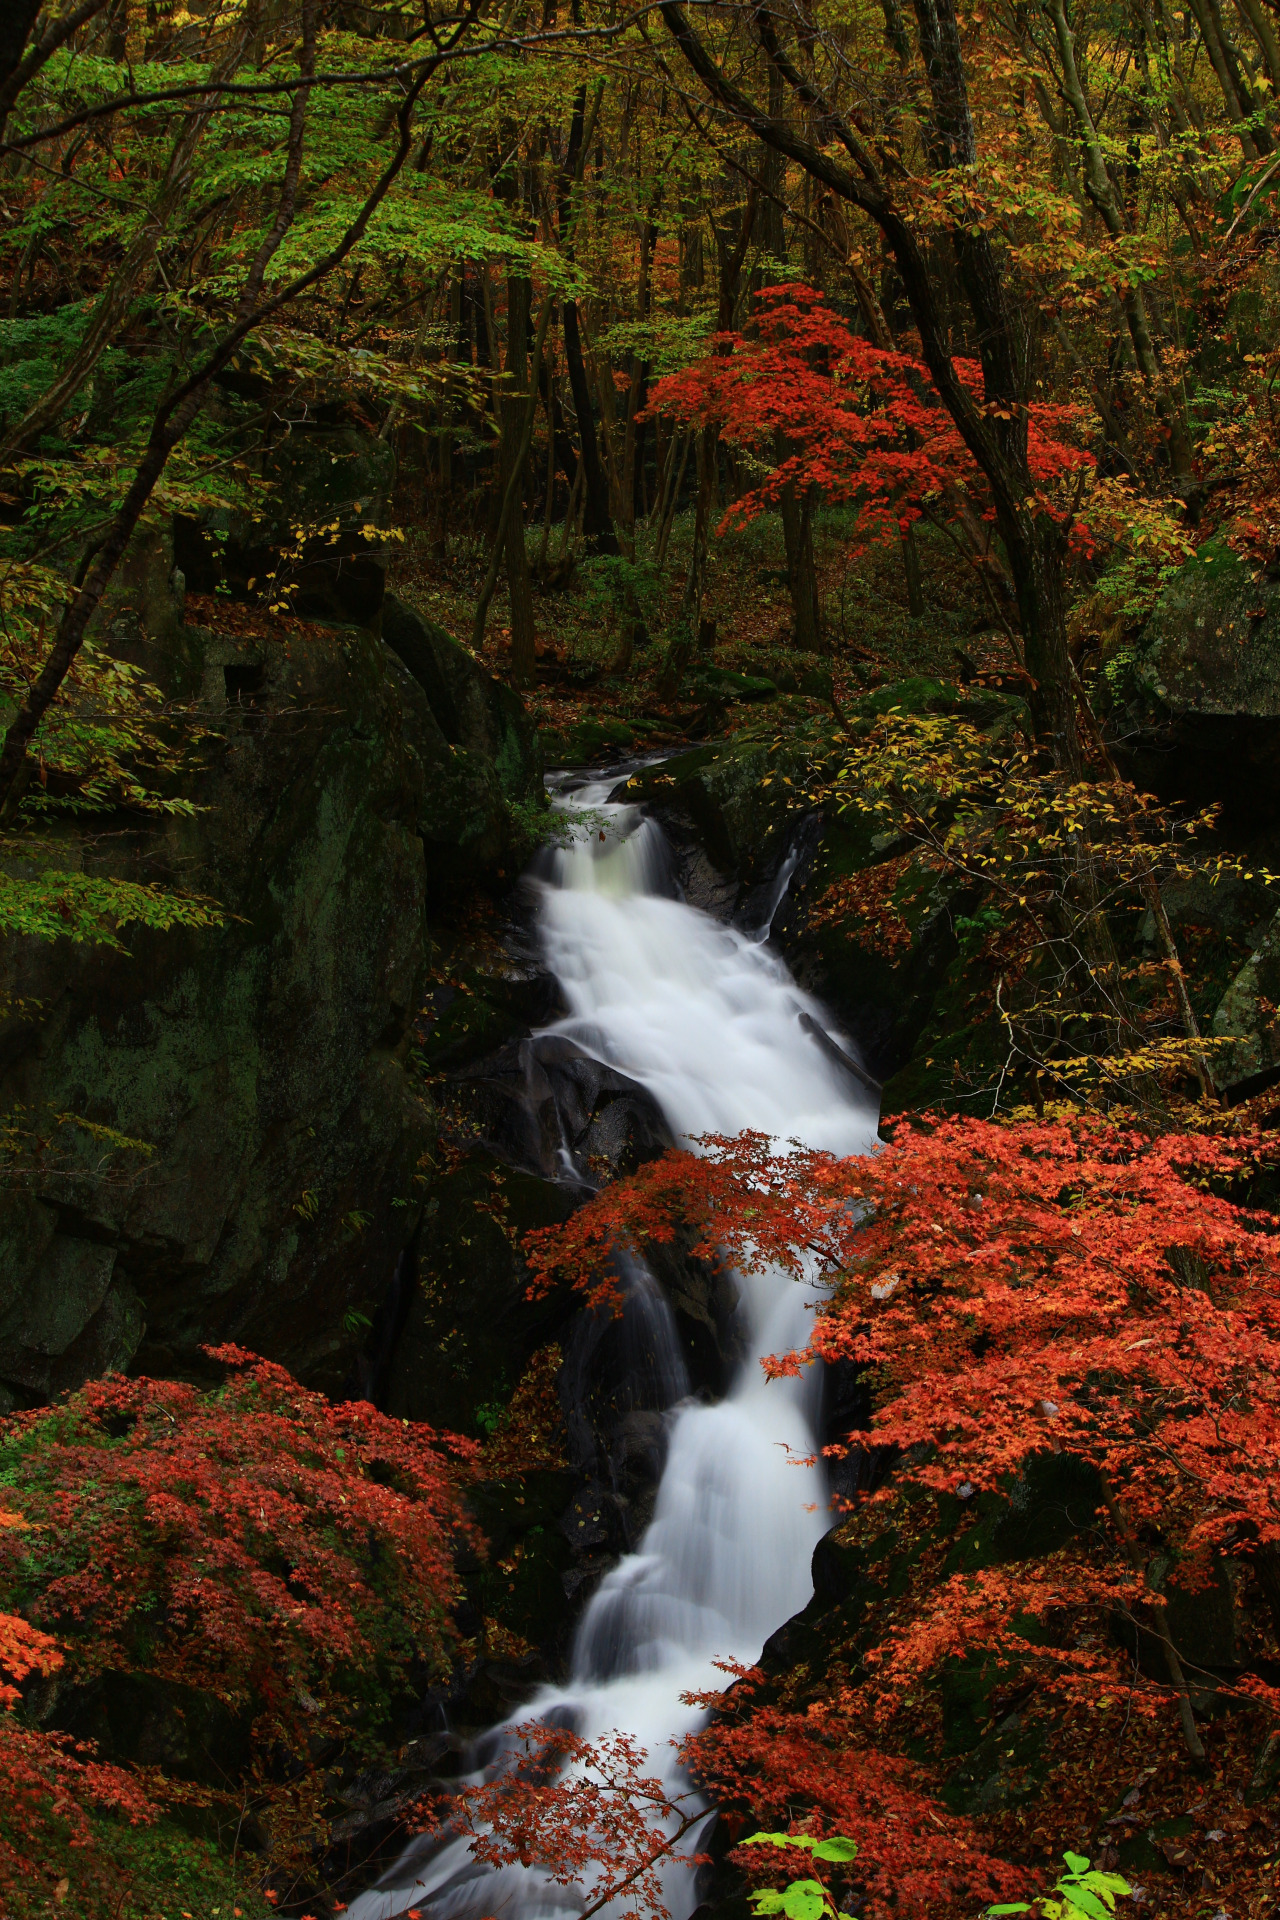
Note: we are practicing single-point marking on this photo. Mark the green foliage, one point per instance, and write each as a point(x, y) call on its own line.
point(85, 907)
point(614, 586)
point(160, 1872)
point(803, 1899)
point(1086, 1894)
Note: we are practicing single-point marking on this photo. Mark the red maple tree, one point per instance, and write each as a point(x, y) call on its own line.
point(828, 408)
point(291, 1558)
point(47, 1782)
point(1067, 1286)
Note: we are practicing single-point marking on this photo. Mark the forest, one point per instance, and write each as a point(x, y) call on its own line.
point(640, 959)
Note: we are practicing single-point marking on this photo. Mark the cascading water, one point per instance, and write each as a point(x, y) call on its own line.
point(711, 1023)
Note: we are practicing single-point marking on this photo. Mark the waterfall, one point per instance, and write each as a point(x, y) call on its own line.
point(712, 1024)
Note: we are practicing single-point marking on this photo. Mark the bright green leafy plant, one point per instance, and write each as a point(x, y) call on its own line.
point(1085, 1893)
point(804, 1899)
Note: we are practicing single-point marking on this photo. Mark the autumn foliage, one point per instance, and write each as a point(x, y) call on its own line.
point(589, 1815)
point(1058, 1287)
point(856, 421)
point(43, 1777)
point(289, 1558)
point(914, 1858)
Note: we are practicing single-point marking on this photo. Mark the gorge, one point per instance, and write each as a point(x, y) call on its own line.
point(708, 1020)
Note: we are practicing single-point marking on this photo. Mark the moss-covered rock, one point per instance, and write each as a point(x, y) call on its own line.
point(1200, 690)
point(260, 1064)
point(1212, 645)
point(1246, 1020)
point(595, 739)
point(480, 754)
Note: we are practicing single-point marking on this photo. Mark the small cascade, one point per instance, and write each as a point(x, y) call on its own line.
point(777, 894)
point(712, 1025)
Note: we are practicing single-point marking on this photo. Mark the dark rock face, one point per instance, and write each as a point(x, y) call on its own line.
point(225, 1139)
point(1246, 1020)
point(470, 1329)
point(544, 1104)
point(260, 1062)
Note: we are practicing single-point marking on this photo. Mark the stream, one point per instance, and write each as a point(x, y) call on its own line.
point(710, 1022)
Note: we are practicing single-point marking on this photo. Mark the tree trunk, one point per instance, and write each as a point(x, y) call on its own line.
point(1234, 92)
point(514, 410)
point(802, 576)
point(597, 520)
point(995, 431)
point(445, 444)
point(1101, 191)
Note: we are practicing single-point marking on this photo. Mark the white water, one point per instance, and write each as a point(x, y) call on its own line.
point(710, 1022)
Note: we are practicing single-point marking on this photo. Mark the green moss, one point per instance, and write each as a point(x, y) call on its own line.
point(594, 737)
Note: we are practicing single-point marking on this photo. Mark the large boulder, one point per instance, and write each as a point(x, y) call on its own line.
point(1201, 720)
point(259, 1064)
point(1246, 1025)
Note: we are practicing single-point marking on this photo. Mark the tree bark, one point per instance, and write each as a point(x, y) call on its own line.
point(597, 520)
point(1234, 92)
point(515, 446)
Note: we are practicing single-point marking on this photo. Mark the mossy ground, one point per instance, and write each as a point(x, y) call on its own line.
point(156, 1872)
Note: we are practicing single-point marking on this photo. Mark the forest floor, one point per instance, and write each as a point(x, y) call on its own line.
point(872, 637)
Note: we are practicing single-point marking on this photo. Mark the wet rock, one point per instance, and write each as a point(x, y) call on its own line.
point(474, 1015)
point(470, 1328)
point(545, 1104)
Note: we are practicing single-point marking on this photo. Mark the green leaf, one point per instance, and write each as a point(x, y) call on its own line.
point(1013, 1906)
point(1081, 1900)
point(87, 907)
point(836, 1848)
point(1076, 1862)
point(804, 1900)
point(780, 1840)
